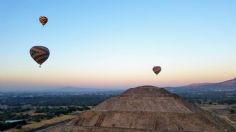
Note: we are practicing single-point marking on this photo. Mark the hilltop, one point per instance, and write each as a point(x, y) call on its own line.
point(228, 85)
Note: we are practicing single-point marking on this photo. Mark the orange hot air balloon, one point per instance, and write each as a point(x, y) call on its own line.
point(40, 54)
point(43, 20)
point(156, 69)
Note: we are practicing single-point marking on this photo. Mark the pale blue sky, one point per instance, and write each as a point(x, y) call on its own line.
point(115, 43)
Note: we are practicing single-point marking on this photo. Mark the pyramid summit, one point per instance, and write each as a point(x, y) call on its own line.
point(145, 109)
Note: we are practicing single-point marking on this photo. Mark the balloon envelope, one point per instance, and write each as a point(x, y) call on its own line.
point(156, 69)
point(43, 20)
point(40, 54)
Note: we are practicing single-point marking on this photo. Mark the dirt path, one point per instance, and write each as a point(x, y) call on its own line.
point(35, 126)
point(227, 118)
point(46, 128)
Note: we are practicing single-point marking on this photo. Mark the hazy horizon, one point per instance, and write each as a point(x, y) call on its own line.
point(115, 44)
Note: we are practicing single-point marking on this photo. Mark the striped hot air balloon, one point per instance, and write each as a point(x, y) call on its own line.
point(43, 20)
point(156, 69)
point(40, 54)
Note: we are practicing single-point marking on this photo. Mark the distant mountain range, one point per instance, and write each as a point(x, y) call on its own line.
point(85, 90)
point(63, 91)
point(229, 85)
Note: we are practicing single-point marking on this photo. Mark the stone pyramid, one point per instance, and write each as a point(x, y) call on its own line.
point(146, 109)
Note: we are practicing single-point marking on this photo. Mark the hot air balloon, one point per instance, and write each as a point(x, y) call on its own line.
point(43, 20)
point(156, 69)
point(40, 54)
